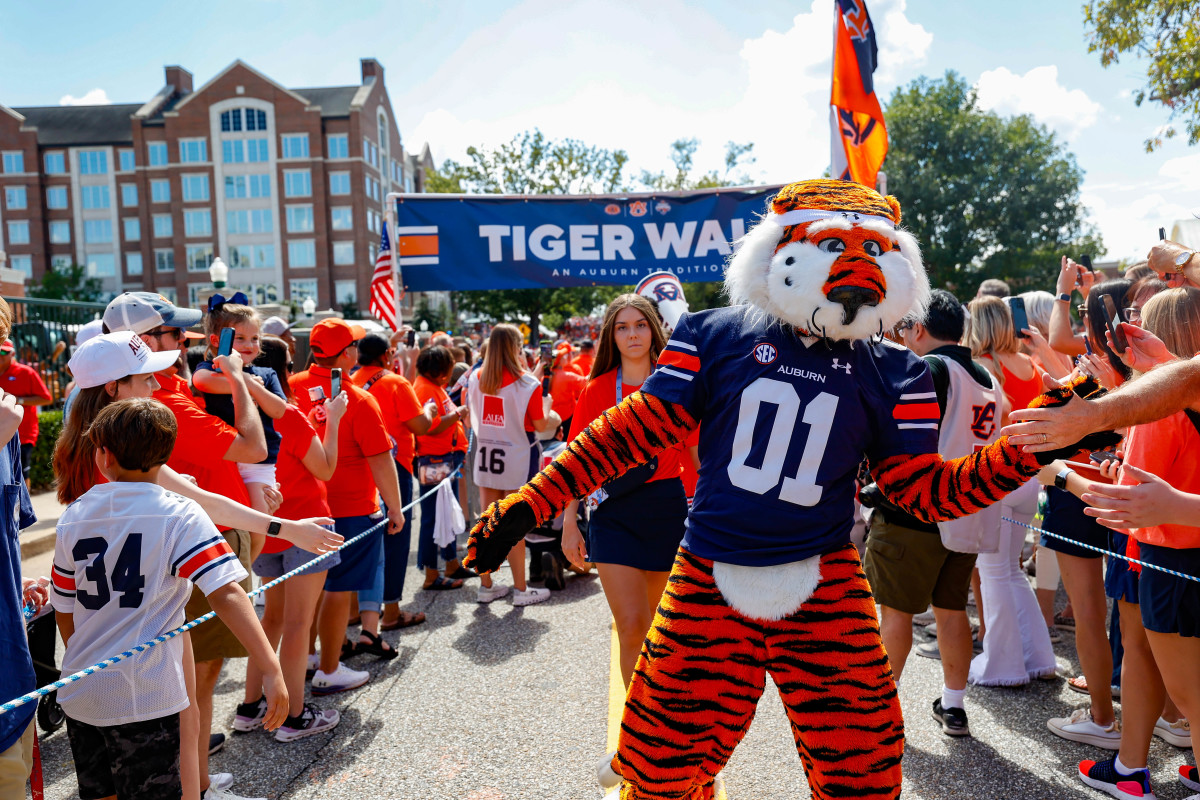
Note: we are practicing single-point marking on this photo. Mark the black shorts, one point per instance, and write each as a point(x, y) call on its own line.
point(1064, 516)
point(1120, 582)
point(1170, 604)
point(135, 760)
point(26, 458)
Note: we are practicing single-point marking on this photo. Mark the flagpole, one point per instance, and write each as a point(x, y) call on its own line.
point(389, 219)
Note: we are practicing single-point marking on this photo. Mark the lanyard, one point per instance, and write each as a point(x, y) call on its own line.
point(620, 394)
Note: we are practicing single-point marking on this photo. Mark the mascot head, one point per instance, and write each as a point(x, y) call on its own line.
point(830, 259)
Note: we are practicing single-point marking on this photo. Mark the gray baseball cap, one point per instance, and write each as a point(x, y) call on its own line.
point(144, 311)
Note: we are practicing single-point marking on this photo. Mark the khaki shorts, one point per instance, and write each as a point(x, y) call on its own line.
point(213, 639)
point(910, 569)
point(15, 765)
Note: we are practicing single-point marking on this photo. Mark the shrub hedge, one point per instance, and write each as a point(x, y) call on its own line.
point(41, 473)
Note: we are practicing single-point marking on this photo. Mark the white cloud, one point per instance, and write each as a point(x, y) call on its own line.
point(1129, 215)
point(1039, 94)
point(645, 74)
point(96, 97)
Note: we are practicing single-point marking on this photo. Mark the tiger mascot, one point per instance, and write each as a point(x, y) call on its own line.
point(794, 385)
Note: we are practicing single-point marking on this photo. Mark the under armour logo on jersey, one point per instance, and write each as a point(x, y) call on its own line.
point(839, 365)
point(984, 424)
point(765, 353)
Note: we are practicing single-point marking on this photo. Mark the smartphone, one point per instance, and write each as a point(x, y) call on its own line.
point(1086, 260)
point(1087, 344)
point(1100, 456)
point(1020, 319)
point(546, 385)
point(411, 341)
point(224, 345)
point(335, 382)
point(547, 350)
point(1112, 318)
point(1162, 233)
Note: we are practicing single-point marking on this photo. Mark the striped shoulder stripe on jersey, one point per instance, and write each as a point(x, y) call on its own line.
point(679, 360)
point(211, 565)
point(918, 410)
point(196, 549)
point(63, 580)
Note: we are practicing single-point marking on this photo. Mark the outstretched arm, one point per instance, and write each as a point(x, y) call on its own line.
point(641, 427)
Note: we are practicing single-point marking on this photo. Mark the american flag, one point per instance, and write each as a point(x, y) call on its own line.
point(383, 298)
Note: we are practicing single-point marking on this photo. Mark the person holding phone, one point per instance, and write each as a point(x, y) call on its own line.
point(1072, 277)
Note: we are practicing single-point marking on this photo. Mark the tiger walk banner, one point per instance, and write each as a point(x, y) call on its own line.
point(460, 242)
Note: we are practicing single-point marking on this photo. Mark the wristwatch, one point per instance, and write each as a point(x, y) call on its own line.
point(1060, 480)
point(1182, 260)
point(1064, 297)
point(274, 527)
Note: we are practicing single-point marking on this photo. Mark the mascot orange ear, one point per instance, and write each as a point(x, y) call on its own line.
point(894, 204)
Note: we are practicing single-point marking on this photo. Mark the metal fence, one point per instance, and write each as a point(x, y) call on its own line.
point(44, 334)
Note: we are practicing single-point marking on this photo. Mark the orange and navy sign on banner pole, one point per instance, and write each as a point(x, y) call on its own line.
point(859, 137)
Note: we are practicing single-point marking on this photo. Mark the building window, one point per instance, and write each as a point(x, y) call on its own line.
point(343, 252)
point(339, 183)
point(343, 218)
point(264, 255)
point(163, 229)
point(295, 145)
point(97, 231)
point(56, 197)
point(60, 232)
point(93, 162)
point(233, 151)
point(302, 288)
point(366, 151)
point(126, 159)
point(231, 120)
point(129, 194)
point(256, 150)
point(14, 161)
point(168, 292)
point(195, 188)
point(261, 220)
point(197, 223)
point(339, 145)
point(372, 222)
point(94, 196)
point(260, 185)
point(60, 263)
point(199, 257)
point(240, 256)
point(156, 154)
point(302, 253)
point(133, 263)
point(101, 265)
point(345, 292)
point(193, 151)
point(14, 197)
point(164, 260)
point(237, 221)
point(299, 219)
point(18, 233)
point(56, 163)
point(297, 183)
point(132, 227)
point(160, 191)
point(256, 119)
point(22, 264)
point(235, 187)
point(194, 290)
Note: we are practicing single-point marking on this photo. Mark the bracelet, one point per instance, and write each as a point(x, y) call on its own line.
point(1064, 297)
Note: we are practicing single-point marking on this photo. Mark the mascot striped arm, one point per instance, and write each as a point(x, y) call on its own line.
point(814, 282)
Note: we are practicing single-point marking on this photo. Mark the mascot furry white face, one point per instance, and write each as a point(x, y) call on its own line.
point(831, 260)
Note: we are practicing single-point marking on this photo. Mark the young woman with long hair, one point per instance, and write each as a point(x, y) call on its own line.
point(638, 523)
point(508, 410)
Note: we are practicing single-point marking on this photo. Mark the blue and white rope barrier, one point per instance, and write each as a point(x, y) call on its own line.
point(187, 626)
point(1102, 551)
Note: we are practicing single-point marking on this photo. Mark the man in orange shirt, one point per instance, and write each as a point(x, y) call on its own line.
point(404, 417)
point(587, 354)
point(30, 390)
point(566, 384)
point(364, 465)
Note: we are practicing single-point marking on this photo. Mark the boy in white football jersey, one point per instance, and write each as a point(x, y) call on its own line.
point(126, 556)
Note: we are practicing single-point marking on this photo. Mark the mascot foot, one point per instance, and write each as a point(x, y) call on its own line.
point(605, 773)
point(718, 786)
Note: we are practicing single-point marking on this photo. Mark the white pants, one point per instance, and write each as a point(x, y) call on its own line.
point(1016, 644)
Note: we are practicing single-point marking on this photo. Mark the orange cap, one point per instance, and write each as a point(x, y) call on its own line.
point(331, 336)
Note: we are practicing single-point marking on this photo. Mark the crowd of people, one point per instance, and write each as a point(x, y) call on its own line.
point(190, 460)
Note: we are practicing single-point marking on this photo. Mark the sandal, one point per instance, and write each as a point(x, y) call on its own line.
point(376, 646)
point(462, 574)
point(1079, 684)
point(407, 620)
point(1067, 623)
point(441, 584)
point(349, 649)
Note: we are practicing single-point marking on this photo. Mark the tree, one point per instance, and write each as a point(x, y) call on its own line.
point(1167, 34)
point(986, 196)
point(68, 283)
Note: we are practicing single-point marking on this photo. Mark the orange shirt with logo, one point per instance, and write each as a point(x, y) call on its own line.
point(303, 495)
point(399, 404)
point(351, 491)
point(451, 440)
point(601, 395)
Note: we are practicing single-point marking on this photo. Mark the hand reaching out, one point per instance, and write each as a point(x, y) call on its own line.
point(1145, 352)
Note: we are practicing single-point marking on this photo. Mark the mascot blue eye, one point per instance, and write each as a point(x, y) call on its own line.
point(832, 245)
point(789, 260)
point(872, 248)
point(787, 281)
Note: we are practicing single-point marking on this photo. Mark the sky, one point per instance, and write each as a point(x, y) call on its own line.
point(633, 75)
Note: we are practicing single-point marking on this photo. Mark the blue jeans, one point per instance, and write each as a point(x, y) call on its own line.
point(427, 551)
point(389, 576)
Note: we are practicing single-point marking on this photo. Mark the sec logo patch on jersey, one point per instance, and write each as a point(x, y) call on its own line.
point(765, 353)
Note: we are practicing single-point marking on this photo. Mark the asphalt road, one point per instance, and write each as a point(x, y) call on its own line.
point(503, 703)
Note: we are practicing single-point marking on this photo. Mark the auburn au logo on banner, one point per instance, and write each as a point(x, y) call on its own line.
point(859, 136)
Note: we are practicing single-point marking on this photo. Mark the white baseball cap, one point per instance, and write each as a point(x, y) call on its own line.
point(113, 356)
point(276, 326)
point(144, 311)
point(89, 330)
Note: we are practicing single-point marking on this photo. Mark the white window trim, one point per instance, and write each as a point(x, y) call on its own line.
point(312, 242)
point(311, 217)
point(183, 183)
point(138, 220)
point(209, 232)
point(288, 172)
point(188, 140)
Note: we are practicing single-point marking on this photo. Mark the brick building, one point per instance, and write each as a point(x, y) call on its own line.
point(285, 185)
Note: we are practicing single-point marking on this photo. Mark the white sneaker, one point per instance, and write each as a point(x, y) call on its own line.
point(214, 793)
point(343, 679)
point(608, 776)
point(1080, 727)
point(534, 594)
point(489, 593)
point(924, 618)
point(314, 664)
point(220, 780)
point(1176, 733)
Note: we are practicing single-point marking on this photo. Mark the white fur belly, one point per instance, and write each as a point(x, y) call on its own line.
point(768, 593)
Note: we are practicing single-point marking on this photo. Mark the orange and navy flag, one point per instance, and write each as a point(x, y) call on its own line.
point(859, 137)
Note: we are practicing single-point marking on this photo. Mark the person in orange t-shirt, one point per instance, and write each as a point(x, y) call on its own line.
point(364, 469)
point(30, 390)
point(404, 418)
point(566, 385)
point(587, 356)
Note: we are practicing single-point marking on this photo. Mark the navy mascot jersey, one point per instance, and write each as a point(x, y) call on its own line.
point(785, 422)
